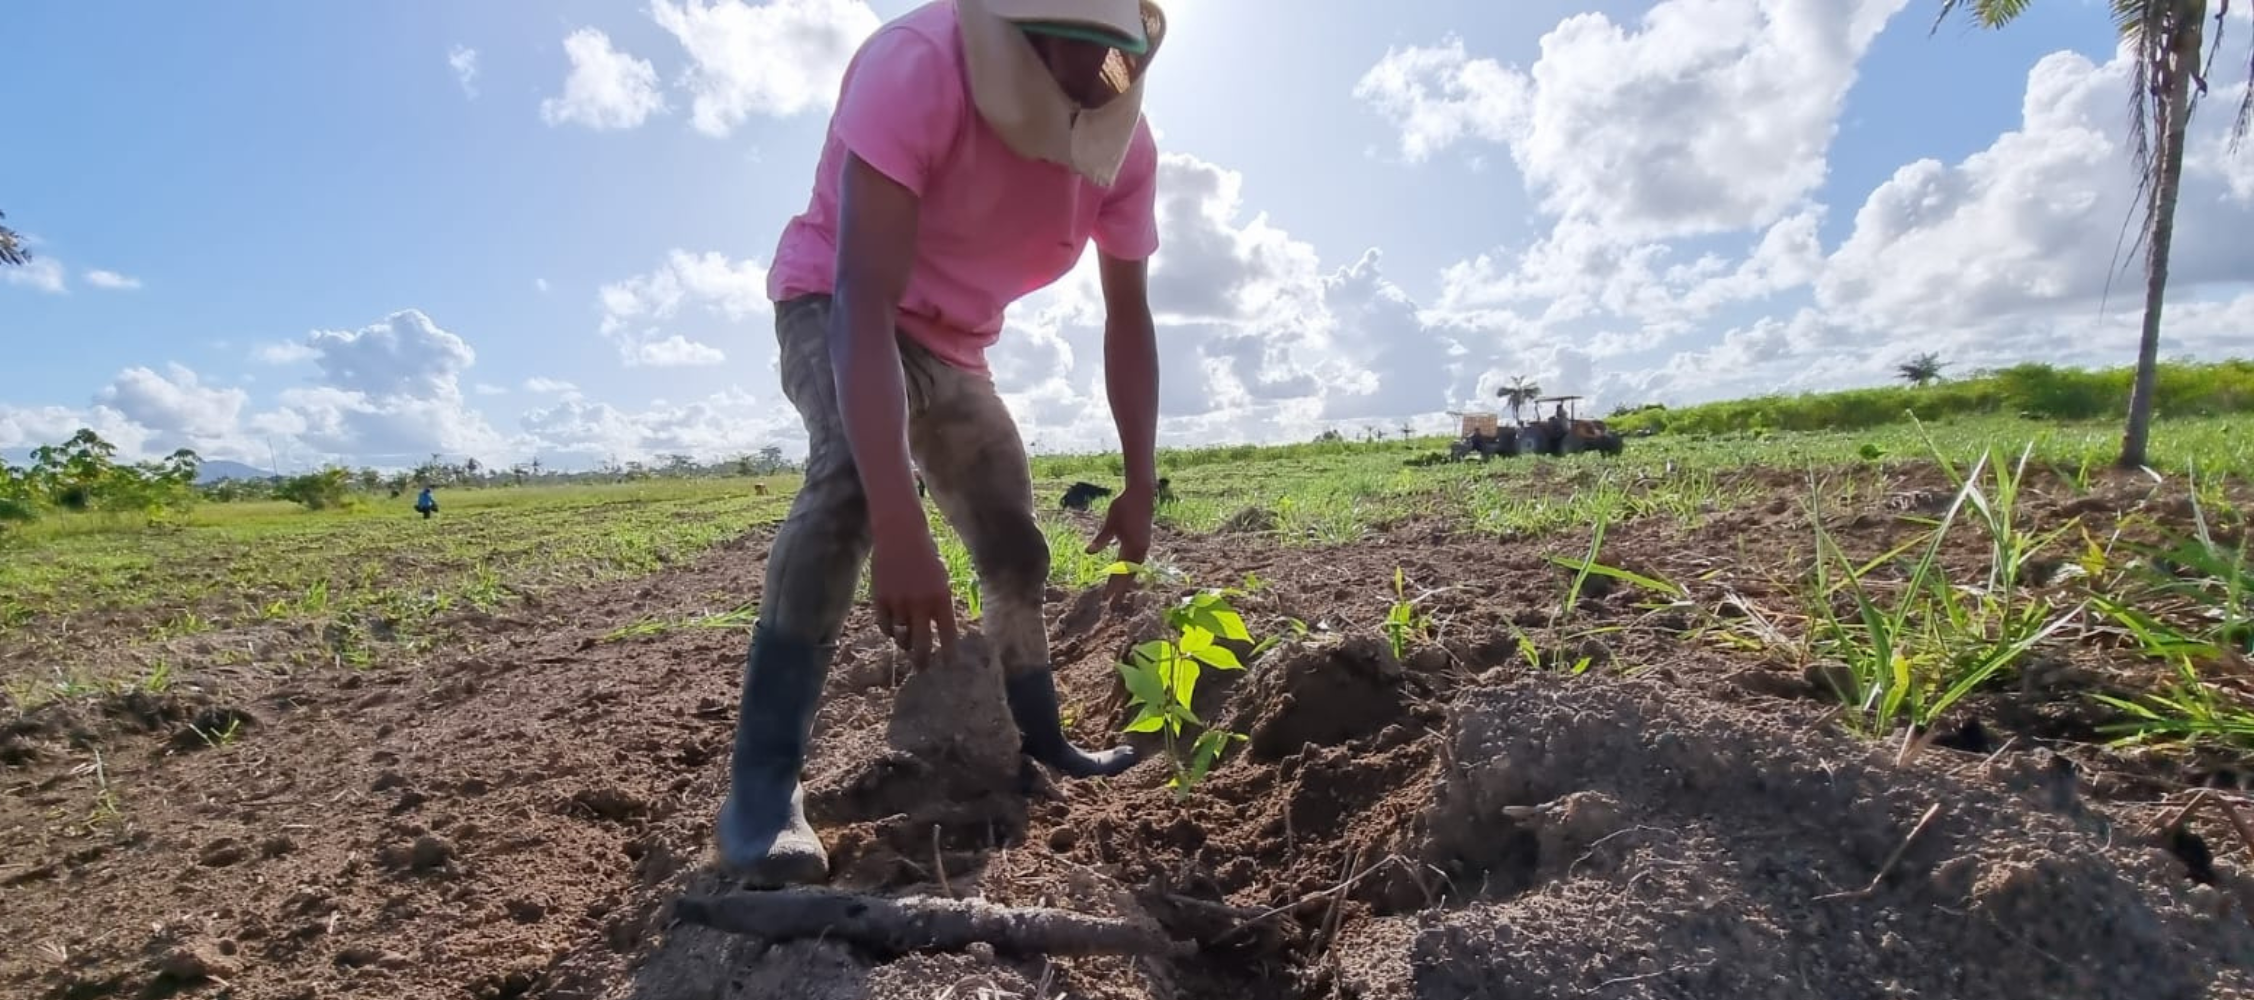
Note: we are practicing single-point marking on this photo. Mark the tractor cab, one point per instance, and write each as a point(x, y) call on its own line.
point(1562, 431)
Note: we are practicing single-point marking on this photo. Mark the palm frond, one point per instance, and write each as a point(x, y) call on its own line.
point(1984, 13)
point(11, 246)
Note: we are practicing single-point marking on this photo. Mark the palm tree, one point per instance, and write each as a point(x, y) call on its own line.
point(11, 246)
point(1921, 370)
point(1518, 393)
point(2167, 83)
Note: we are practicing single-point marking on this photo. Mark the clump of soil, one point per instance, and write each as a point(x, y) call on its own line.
point(1618, 836)
point(1322, 694)
point(940, 772)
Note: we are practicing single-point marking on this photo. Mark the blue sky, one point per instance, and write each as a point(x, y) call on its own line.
point(369, 233)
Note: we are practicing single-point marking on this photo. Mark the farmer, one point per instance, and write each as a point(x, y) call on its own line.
point(976, 148)
point(426, 504)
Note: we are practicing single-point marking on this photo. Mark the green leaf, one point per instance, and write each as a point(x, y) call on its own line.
point(1231, 625)
point(1185, 679)
point(1195, 638)
point(1144, 684)
point(1218, 656)
point(1147, 722)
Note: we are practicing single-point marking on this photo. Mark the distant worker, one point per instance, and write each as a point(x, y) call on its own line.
point(426, 504)
point(976, 148)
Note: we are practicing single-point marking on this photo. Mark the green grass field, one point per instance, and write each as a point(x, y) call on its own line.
point(83, 598)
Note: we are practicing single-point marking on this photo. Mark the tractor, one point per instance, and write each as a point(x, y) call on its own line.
point(1482, 434)
point(1564, 433)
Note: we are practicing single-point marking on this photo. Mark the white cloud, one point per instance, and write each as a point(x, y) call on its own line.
point(463, 60)
point(111, 280)
point(42, 273)
point(288, 352)
point(490, 389)
point(2030, 225)
point(540, 285)
point(607, 88)
point(778, 58)
point(675, 351)
point(1710, 116)
point(729, 423)
point(557, 387)
point(404, 355)
point(179, 410)
point(1439, 96)
point(636, 310)
point(1260, 340)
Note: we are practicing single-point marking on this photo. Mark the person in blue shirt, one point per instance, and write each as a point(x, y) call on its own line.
point(426, 504)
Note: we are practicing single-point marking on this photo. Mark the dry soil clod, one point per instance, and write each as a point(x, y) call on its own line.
point(922, 924)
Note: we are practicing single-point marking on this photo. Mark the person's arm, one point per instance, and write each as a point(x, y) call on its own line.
point(897, 116)
point(1126, 235)
point(1131, 366)
point(875, 253)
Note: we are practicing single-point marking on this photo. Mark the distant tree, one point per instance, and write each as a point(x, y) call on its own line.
point(1921, 371)
point(11, 246)
point(370, 480)
point(323, 490)
point(1520, 392)
point(2165, 84)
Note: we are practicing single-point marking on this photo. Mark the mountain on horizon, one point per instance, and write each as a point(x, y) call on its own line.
point(219, 469)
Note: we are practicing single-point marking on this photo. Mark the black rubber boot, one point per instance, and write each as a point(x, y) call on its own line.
point(1033, 704)
point(763, 836)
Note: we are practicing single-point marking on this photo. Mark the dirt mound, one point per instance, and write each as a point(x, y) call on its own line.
point(1556, 836)
point(1618, 836)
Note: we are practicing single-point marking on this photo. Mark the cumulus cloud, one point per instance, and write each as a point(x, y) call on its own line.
point(686, 287)
point(2035, 222)
point(176, 406)
point(404, 355)
point(1262, 339)
point(543, 386)
point(388, 392)
point(111, 280)
point(288, 352)
point(1708, 116)
point(1439, 95)
point(724, 424)
point(778, 58)
point(607, 88)
point(463, 61)
point(42, 273)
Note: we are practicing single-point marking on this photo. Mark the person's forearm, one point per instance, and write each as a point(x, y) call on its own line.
point(872, 401)
point(1131, 380)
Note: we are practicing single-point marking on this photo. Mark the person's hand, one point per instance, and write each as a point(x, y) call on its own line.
point(1127, 522)
point(914, 603)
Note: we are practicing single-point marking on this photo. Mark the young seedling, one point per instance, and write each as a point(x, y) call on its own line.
point(1162, 674)
point(1402, 623)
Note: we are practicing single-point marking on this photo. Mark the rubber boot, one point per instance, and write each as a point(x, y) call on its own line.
point(763, 836)
point(1033, 704)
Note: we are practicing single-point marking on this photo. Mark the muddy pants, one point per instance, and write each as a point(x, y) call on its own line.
point(963, 439)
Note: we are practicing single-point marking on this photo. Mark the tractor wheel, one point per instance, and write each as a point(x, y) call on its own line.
point(1530, 442)
point(1457, 450)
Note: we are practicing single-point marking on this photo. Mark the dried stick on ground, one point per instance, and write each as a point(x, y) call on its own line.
point(898, 926)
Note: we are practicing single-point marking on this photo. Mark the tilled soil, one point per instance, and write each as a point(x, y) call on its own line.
point(1469, 820)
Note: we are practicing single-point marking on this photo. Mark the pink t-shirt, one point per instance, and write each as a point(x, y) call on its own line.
point(994, 226)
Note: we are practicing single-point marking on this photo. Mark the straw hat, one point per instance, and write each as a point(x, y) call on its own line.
point(1022, 102)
